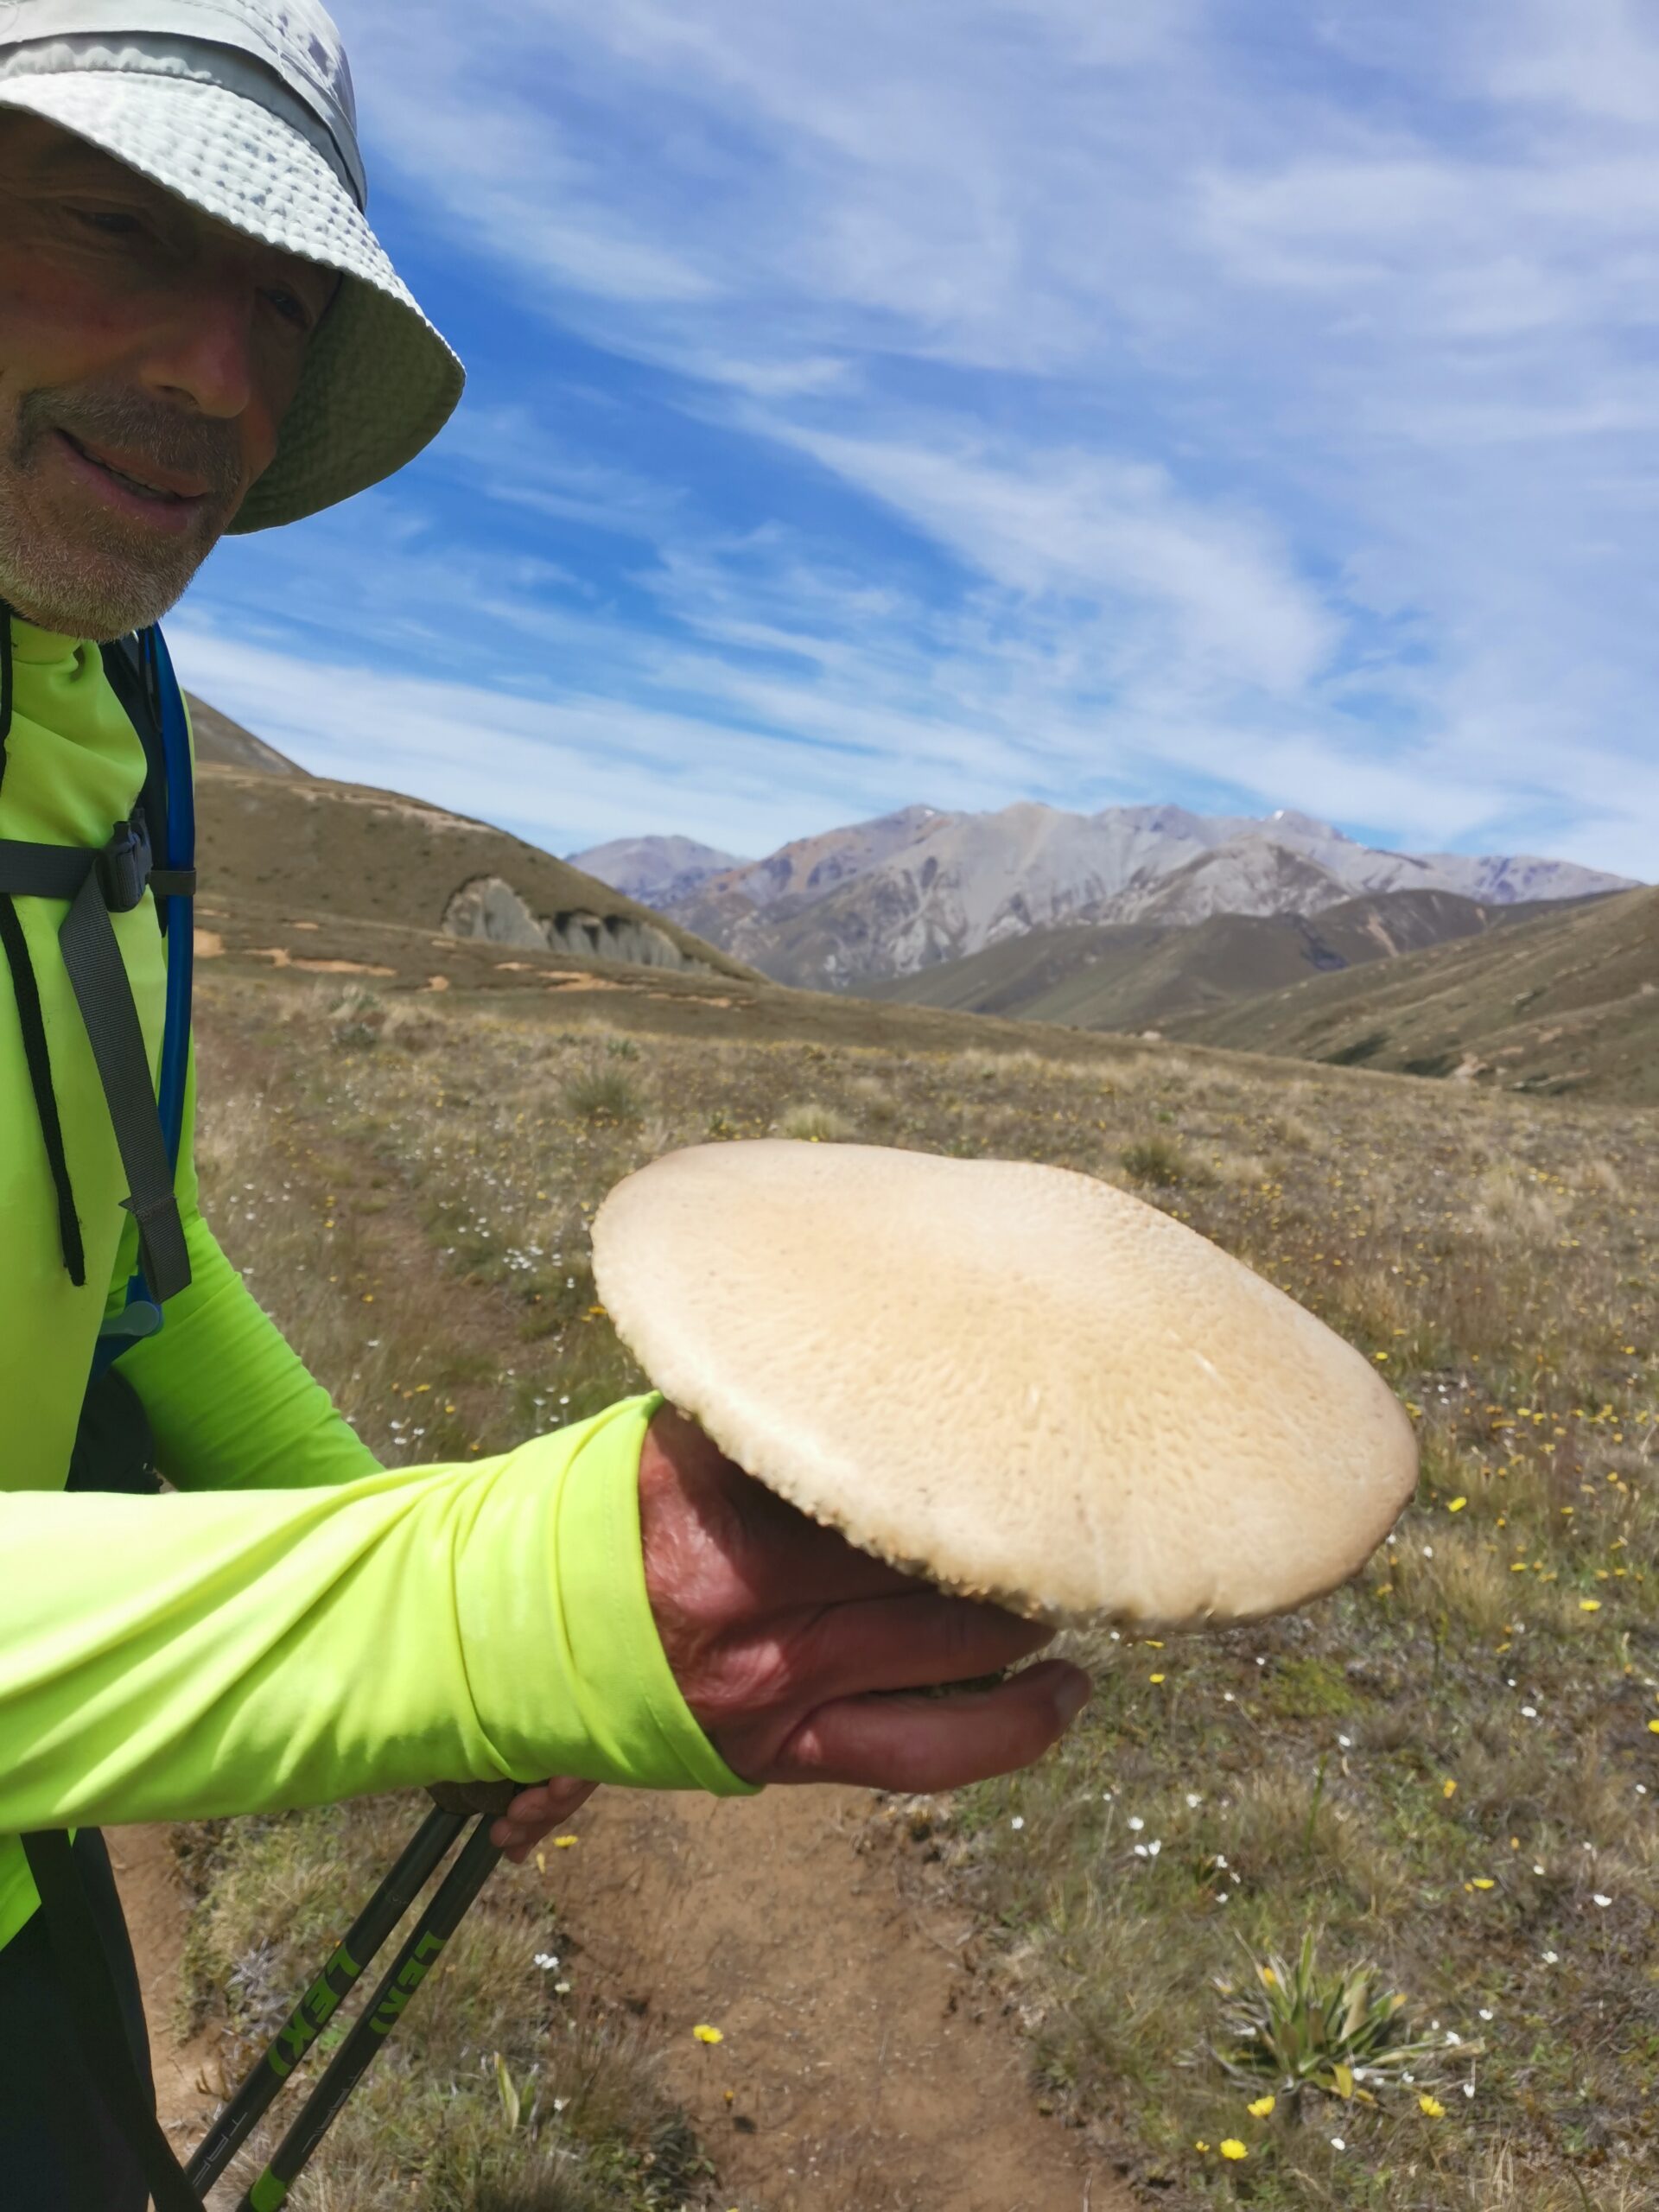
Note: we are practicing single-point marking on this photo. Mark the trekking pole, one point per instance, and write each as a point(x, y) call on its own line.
point(455, 1893)
point(357, 1951)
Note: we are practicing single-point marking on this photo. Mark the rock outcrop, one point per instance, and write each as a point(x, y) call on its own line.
point(489, 907)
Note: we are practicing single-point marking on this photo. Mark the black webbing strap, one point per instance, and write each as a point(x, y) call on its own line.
point(95, 2009)
point(97, 975)
point(37, 1057)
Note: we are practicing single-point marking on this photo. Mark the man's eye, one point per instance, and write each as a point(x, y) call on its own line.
point(109, 222)
point(290, 305)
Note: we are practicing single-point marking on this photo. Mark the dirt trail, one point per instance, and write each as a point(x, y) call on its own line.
point(869, 2069)
point(157, 1910)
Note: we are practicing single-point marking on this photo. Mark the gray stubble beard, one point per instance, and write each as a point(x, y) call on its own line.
point(92, 582)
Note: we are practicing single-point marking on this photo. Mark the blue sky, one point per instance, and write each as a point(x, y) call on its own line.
point(1250, 403)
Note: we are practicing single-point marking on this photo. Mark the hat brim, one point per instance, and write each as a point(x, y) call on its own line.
point(379, 381)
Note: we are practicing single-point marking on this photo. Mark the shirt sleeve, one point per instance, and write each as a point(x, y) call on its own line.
point(231, 1405)
point(189, 1657)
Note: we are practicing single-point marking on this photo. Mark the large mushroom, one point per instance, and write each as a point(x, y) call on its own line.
point(1019, 1382)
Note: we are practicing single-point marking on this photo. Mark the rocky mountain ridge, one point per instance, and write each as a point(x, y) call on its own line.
point(906, 891)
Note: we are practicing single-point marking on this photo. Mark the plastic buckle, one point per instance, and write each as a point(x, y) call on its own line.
point(123, 866)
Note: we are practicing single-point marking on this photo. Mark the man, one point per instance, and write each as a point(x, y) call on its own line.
point(200, 333)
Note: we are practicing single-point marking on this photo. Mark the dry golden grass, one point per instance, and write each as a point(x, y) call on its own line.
point(1393, 1766)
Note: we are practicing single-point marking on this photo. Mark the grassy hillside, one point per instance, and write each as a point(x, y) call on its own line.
point(221, 743)
point(1567, 1001)
point(276, 848)
point(1136, 976)
point(1449, 1769)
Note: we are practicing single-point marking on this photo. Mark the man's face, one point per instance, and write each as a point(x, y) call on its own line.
point(148, 356)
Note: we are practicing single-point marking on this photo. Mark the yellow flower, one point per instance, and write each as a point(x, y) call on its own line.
point(1589, 1605)
point(1653, 1727)
point(1232, 2148)
point(563, 1842)
point(1261, 2109)
point(1154, 1678)
point(1457, 1505)
point(706, 2034)
point(1484, 1882)
point(1431, 2107)
point(1448, 1788)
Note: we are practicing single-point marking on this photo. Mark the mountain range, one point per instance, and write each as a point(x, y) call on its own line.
point(911, 890)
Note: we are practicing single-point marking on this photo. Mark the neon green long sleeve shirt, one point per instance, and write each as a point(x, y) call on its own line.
point(298, 1624)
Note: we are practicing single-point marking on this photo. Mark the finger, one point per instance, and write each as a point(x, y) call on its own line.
point(926, 1743)
point(908, 1642)
point(534, 1812)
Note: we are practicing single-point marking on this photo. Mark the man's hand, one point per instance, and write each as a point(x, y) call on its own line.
point(784, 1638)
point(525, 1817)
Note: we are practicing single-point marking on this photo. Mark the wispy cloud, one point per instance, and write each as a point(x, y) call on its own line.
point(991, 397)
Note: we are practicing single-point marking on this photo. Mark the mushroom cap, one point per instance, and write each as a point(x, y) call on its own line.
point(1017, 1382)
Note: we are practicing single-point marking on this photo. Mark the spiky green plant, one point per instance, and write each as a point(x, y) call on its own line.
point(1301, 2029)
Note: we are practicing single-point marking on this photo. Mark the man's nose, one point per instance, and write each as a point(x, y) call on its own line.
point(203, 354)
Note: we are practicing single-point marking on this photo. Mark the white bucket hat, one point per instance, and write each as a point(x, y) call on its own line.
point(244, 109)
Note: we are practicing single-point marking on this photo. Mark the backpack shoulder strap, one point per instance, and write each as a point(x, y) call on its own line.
point(84, 1968)
point(174, 881)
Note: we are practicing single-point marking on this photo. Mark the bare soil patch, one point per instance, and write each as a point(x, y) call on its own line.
point(864, 2062)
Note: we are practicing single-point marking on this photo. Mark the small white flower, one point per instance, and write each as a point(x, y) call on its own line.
point(1193, 1800)
point(1429, 1551)
point(1484, 2014)
point(1226, 1698)
point(1529, 1712)
point(1221, 1859)
point(562, 1988)
point(1337, 2143)
point(1602, 1902)
point(1345, 1743)
point(1152, 1850)
point(1552, 1958)
point(1139, 1850)
point(1468, 2088)
point(559, 2103)
point(1537, 1870)
point(1136, 1822)
point(1018, 1821)
point(1452, 2037)
point(546, 1961)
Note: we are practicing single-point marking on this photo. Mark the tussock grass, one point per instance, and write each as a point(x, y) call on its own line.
point(810, 1123)
point(598, 1093)
point(1160, 1161)
point(1496, 1257)
point(595, 2132)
